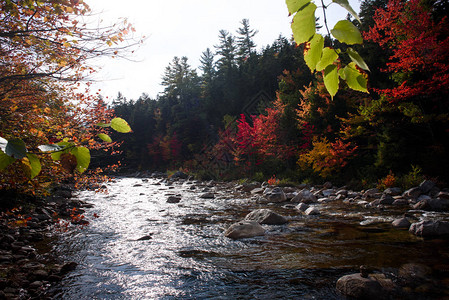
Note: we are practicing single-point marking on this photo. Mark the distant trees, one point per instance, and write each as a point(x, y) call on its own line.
point(301, 131)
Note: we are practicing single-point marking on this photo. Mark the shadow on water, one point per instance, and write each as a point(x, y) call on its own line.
point(184, 254)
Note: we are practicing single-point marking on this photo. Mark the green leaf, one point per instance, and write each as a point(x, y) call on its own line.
point(355, 57)
point(35, 165)
point(120, 125)
point(331, 79)
point(328, 57)
point(3, 143)
point(105, 137)
point(65, 148)
point(104, 125)
point(82, 155)
point(16, 148)
point(354, 79)
point(303, 25)
point(345, 32)
point(313, 54)
point(5, 160)
point(50, 148)
point(294, 5)
point(345, 4)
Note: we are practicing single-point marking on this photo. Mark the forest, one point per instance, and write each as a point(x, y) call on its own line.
point(248, 112)
point(262, 114)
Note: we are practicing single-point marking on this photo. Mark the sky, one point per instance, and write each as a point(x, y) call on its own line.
point(183, 28)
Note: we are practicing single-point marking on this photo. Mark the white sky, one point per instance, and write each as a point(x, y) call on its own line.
point(184, 28)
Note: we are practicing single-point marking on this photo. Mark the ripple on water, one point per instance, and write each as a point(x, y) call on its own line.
point(187, 256)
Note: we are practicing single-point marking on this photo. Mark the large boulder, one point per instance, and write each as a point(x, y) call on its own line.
point(244, 229)
point(266, 216)
point(369, 287)
point(275, 195)
point(430, 228)
point(305, 196)
point(179, 175)
point(401, 223)
point(426, 186)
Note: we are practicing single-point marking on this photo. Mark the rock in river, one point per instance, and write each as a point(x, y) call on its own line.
point(244, 229)
point(266, 216)
point(375, 286)
point(430, 228)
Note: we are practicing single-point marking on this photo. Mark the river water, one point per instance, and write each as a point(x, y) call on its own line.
point(187, 256)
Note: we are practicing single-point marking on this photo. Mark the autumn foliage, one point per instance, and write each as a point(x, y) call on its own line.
point(47, 113)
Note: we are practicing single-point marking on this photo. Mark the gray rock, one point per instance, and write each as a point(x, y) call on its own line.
point(305, 196)
point(429, 204)
point(393, 191)
point(244, 229)
point(359, 287)
point(35, 285)
point(207, 195)
point(266, 216)
point(401, 223)
point(443, 195)
point(430, 228)
point(413, 193)
point(327, 185)
point(343, 193)
point(174, 199)
point(371, 193)
point(400, 202)
point(426, 186)
point(257, 191)
point(275, 195)
point(312, 211)
point(328, 192)
point(302, 207)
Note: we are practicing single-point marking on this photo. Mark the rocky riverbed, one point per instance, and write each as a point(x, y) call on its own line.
point(27, 265)
point(151, 237)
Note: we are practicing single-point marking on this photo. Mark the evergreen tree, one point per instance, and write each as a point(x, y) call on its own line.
point(227, 50)
point(245, 41)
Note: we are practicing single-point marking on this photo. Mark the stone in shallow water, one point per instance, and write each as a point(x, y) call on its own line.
point(430, 228)
point(374, 286)
point(244, 229)
point(266, 216)
point(401, 223)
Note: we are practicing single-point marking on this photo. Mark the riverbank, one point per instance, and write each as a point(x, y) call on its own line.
point(28, 267)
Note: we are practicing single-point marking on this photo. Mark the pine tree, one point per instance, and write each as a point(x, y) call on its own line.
point(245, 41)
point(227, 50)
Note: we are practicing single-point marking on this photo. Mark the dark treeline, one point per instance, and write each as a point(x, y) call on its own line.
point(261, 113)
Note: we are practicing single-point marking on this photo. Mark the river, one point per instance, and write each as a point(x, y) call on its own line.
point(184, 254)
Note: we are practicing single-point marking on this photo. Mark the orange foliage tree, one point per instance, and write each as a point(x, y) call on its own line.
point(45, 117)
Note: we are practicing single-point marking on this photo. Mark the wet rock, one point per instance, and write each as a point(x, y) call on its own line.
point(384, 200)
point(257, 191)
point(401, 223)
point(312, 211)
point(412, 193)
point(145, 238)
point(302, 207)
point(400, 202)
point(266, 216)
point(327, 185)
point(248, 187)
point(328, 192)
point(275, 195)
point(443, 195)
point(207, 195)
point(174, 199)
point(68, 267)
point(430, 204)
point(244, 229)
point(414, 274)
point(426, 186)
point(371, 193)
point(39, 274)
point(342, 193)
point(35, 285)
point(393, 191)
point(305, 196)
point(430, 228)
point(359, 287)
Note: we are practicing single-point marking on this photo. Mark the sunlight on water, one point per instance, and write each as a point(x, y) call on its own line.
point(185, 255)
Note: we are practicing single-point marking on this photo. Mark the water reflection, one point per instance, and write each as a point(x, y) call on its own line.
point(185, 255)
